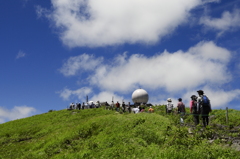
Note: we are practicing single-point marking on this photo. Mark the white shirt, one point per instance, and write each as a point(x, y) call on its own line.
point(136, 110)
point(169, 106)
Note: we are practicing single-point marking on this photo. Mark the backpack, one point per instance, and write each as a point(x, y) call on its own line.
point(205, 100)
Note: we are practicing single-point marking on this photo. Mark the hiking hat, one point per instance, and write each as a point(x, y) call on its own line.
point(200, 91)
point(193, 96)
point(179, 99)
point(169, 99)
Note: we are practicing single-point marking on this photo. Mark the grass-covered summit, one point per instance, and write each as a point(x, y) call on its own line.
point(99, 133)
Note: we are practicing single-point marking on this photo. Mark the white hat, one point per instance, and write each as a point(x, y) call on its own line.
point(169, 99)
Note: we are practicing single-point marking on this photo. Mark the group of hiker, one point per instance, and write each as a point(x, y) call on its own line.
point(87, 105)
point(199, 106)
point(113, 106)
point(128, 107)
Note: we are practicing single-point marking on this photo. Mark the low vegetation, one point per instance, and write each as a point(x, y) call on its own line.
point(99, 133)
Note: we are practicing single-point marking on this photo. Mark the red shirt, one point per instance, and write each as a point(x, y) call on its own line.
point(117, 105)
point(181, 107)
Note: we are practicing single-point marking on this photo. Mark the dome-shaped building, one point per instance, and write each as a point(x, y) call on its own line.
point(140, 96)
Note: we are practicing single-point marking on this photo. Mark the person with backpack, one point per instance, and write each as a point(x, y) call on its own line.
point(169, 106)
point(204, 106)
point(194, 110)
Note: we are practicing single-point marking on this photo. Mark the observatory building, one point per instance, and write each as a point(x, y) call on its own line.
point(140, 96)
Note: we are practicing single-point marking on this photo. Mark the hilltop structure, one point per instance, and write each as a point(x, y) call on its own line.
point(140, 96)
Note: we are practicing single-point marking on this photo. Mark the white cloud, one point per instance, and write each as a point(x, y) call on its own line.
point(16, 113)
point(80, 63)
point(41, 11)
point(202, 64)
point(228, 21)
point(80, 93)
point(107, 96)
point(219, 98)
point(20, 54)
point(171, 75)
point(109, 22)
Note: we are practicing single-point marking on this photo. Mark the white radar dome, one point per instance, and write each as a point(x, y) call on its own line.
point(140, 96)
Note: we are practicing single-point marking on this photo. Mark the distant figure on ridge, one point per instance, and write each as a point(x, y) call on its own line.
point(135, 109)
point(107, 106)
point(97, 104)
point(112, 106)
point(129, 107)
point(87, 106)
point(123, 107)
point(117, 106)
point(83, 105)
point(150, 110)
point(79, 106)
point(72, 106)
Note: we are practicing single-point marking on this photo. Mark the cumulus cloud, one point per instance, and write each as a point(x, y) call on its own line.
point(201, 64)
point(109, 22)
point(228, 22)
point(80, 63)
point(16, 113)
point(108, 97)
point(80, 93)
point(172, 73)
point(20, 54)
point(221, 98)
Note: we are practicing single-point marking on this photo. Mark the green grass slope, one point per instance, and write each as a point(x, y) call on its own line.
point(99, 133)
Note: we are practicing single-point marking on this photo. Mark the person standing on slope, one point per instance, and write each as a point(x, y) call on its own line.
point(117, 106)
point(181, 109)
point(169, 106)
point(194, 109)
point(205, 107)
point(124, 107)
point(112, 106)
point(150, 110)
point(129, 107)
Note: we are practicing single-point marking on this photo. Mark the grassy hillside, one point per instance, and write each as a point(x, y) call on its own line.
point(99, 133)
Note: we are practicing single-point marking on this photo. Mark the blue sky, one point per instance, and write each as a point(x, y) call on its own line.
point(57, 52)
